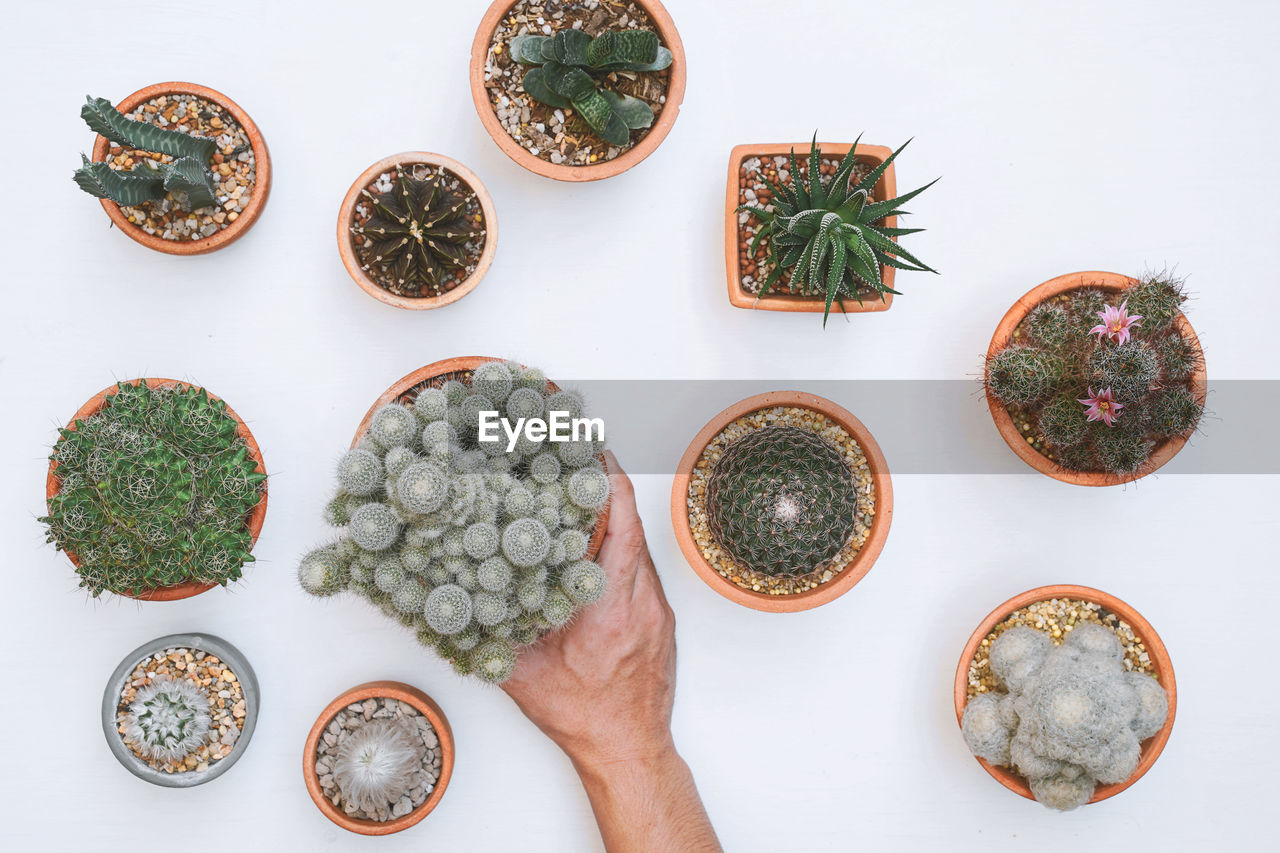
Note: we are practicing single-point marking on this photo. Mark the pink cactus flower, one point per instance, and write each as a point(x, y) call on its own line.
point(1116, 323)
point(1102, 407)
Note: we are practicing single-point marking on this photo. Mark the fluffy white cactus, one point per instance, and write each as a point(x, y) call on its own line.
point(377, 763)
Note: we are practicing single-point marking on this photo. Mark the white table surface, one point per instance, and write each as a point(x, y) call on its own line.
point(1096, 134)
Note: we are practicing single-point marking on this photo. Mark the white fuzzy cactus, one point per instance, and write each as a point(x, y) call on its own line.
point(167, 719)
point(377, 763)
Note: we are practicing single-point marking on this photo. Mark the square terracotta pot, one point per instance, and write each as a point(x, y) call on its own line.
point(885, 188)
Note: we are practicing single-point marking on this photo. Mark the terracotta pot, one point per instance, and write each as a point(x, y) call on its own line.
point(667, 36)
point(347, 249)
point(1151, 747)
point(380, 690)
point(1111, 283)
point(775, 300)
point(261, 184)
point(256, 516)
point(852, 572)
point(437, 374)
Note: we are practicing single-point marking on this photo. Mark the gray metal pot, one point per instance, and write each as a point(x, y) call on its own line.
point(111, 699)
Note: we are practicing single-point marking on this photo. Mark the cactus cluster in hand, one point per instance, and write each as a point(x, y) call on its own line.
point(477, 549)
point(168, 719)
point(1103, 378)
point(571, 66)
point(154, 491)
point(377, 763)
point(781, 501)
point(829, 233)
point(418, 231)
point(1072, 717)
point(187, 174)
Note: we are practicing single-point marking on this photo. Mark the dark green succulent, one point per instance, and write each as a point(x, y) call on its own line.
point(781, 501)
point(154, 491)
point(417, 233)
point(569, 68)
point(827, 233)
point(188, 174)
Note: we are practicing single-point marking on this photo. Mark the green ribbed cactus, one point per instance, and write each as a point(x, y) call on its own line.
point(781, 501)
point(155, 491)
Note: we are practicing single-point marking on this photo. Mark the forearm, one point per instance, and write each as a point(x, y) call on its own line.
point(648, 804)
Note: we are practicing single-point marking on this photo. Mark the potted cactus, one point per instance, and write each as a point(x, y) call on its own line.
point(1065, 695)
point(179, 168)
point(417, 230)
point(480, 546)
point(379, 758)
point(1096, 378)
point(782, 502)
point(180, 710)
point(809, 234)
point(156, 490)
point(577, 91)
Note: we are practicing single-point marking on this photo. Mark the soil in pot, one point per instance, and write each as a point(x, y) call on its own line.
point(233, 167)
point(558, 135)
point(391, 262)
point(710, 536)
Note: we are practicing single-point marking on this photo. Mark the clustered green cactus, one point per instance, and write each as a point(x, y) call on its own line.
point(1071, 717)
point(154, 491)
point(188, 174)
point(477, 549)
point(1066, 361)
point(417, 233)
point(377, 764)
point(167, 719)
point(828, 233)
point(781, 501)
point(571, 65)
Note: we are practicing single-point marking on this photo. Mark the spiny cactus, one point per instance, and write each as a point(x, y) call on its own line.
point(571, 65)
point(188, 173)
point(479, 550)
point(155, 490)
point(1101, 383)
point(167, 719)
point(1071, 716)
point(781, 501)
point(417, 233)
point(377, 764)
point(827, 232)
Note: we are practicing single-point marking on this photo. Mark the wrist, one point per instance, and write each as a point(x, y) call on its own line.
point(603, 763)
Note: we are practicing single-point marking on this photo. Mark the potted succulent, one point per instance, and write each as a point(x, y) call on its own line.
point(804, 235)
point(1095, 378)
point(577, 91)
point(180, 710)
point(179, 168)
point(378, 758)
point(156, 490)
point(417, 230)
point(782, 502)
point(1065, 694)
point(480, 546)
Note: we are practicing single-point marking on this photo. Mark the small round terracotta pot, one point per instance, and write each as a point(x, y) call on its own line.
point(1151, 747)
point(1109, 282)
point(261, 182)
point(668, 36)
point(380, 690)
point(347, 249)
point(256, 516)
point(437, 374)
point(885, 188)
point(852, 572)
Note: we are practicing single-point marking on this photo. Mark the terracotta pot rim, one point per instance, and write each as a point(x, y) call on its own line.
point(886, 187)
point(455, 365)
point(1111, 283)
point(669, 38)
point(257, 515)
point(401, 692)
point(261, 188)
point(852, 573)
point(1151, 748)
